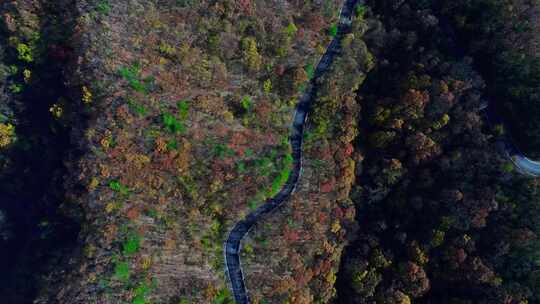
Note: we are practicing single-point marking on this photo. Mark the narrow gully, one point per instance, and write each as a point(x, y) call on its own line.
point(31, 189)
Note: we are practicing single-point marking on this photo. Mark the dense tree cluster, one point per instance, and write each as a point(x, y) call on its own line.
point(443, 219)
point(503, 36)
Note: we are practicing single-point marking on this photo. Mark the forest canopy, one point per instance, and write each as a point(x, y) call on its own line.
point(134, 135)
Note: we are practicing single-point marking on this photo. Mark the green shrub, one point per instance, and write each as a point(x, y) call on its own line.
point(132, 76)
point(310, 71)
point(333, 30)
point(139, 300)
point(214, 43)
point(507, 167)
point(167, 49)
point(103, 7)
point(437, 238)
point(267, 86)
point(172, 124)
point(241, 168)
point(206, 242)
point(121, 271)
point(183, 109)
point(12, 70)
point(186, 3)
point(291, 29)
point(137, 108)
point(131, 245)
point(130, 73)
point(216, 228)
point(252, 204)
point(251, 57)
point(118, 187)
point(190, 185)
point(499, 130)
point(282, 177)
point(288, 159)
point(318, 163)
point(441, 122)
point(248, 249)
point(264, 166)
point(247, 103)
point(221, 150)
point(7, 134)
point(24, 53)
point(360, 10)
point(172, 145)
point(223, 297)
point(380, 115)
point(15, 88)
point(141, 292)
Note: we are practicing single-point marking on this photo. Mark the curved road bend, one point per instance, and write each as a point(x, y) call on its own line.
point(520, 161)
point(239, 231)
point(526, 165)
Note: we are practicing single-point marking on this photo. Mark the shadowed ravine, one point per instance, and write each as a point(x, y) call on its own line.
point(38, 233)
point(240, 230)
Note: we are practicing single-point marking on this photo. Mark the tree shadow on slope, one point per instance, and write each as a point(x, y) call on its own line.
point(31, 187)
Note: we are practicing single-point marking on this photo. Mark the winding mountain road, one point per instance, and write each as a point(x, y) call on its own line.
point(232, 246)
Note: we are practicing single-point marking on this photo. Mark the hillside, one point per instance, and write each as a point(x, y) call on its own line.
point(135, 134)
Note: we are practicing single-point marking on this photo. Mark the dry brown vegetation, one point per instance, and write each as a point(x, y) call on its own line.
point(191, 107)
point(169, 121)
